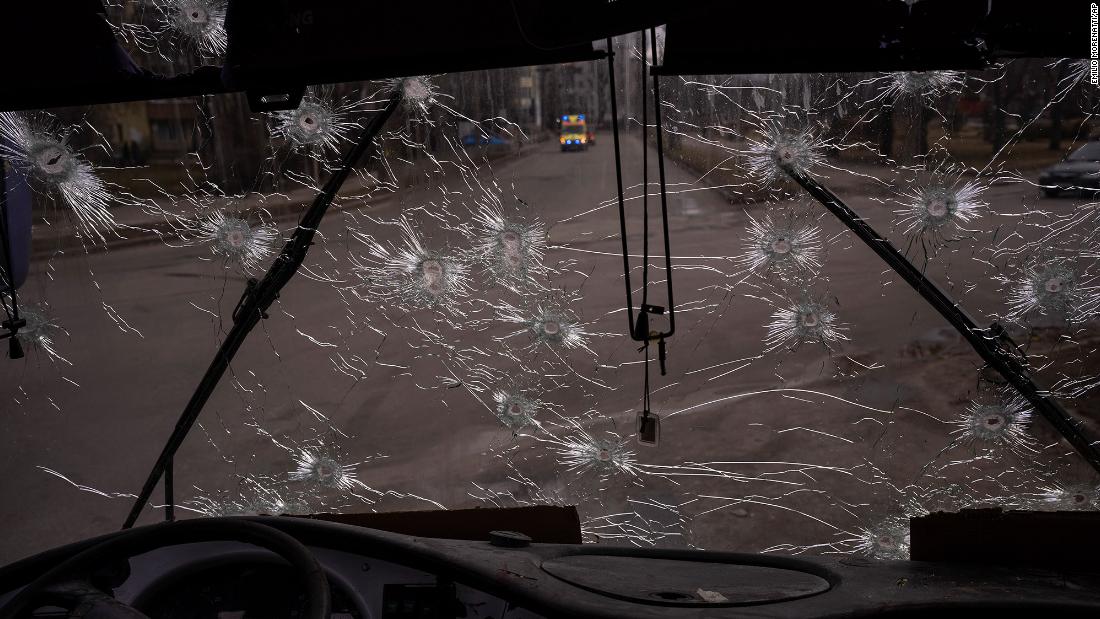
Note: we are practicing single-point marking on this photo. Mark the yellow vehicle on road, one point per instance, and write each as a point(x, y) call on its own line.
point(574, 132)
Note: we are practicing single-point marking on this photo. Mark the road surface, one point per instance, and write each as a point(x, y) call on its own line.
point(103, 420)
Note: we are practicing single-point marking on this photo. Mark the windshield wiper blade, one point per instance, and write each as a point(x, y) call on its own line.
point(993, 345)
point(257, 298)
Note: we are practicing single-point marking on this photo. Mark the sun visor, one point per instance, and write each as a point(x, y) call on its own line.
point(276, 52)
point(281, 47)
point(76, 60)
point(552, 25)
point(869, 35)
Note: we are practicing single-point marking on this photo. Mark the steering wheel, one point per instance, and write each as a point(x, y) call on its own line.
point(69, 584)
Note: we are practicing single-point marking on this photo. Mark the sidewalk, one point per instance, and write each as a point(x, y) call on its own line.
point(724, 171)
point(137, 227)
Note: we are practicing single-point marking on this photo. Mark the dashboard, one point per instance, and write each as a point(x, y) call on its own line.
point(238, 587)
point(379, 575)
point(226, 580)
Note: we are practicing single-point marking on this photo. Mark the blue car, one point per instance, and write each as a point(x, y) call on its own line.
point(476, 139)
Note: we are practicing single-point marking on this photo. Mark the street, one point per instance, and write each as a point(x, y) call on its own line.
point(144, 320)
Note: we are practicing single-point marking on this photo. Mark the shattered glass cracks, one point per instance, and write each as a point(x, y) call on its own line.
point(456, 336)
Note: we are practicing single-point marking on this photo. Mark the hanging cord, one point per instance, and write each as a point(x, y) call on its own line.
point(619, 183)
point(645, 195)
point(645, 397)
point(664, 200)
point(642, 327)
point(639, 325)
point(14, 322)
point(642, 331)
point(646, 308)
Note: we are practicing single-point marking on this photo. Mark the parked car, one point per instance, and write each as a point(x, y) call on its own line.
point(478, 139)
point(1080, 171)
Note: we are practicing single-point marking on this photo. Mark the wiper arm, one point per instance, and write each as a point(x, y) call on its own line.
point(993, 345)
point(257, 298)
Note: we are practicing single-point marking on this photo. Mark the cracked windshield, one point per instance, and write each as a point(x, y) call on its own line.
point(760, 374)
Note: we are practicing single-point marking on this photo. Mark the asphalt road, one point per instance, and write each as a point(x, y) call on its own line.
point(102, 420)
